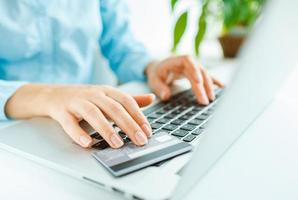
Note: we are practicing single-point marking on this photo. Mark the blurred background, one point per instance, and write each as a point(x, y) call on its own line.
point(155, 27)
point(212, 31)
point(208, 29)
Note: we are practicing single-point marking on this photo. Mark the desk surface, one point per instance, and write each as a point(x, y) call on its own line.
point(261, 165)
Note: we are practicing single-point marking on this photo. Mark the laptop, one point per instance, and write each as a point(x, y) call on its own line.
point(175, 126)
point(198, 136)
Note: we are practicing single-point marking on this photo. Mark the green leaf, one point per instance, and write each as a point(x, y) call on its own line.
point(179, 29)
point(241, 12)
point(202, 26)
point(173, 3)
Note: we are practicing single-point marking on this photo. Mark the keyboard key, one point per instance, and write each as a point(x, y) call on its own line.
point(177, 122)
point(191, 113)
point(205, 113)
point(150, 119)
point(161, 112)
point(183, 108)
point(174, 104)
point(188, 104)
point(188, 127)
point(160, 131)
point(169, 127)
point(156, 125)
point(187, 92)
point(197, 108)
point(189, 95)
point(209, 112)
point(189, 138)
point(211, 109)
point(96, 136)
point(153, 108)
point(126, 140)
point(203, 126)
point(198, 131)
point(180, 133)
point(162, 121)
point(168, 107)
point(176, 96)
point(101, 145)
point(170, 116)
point(176, 112)
point(154, 116)
point(184, 117)
point(195, 122)
point(180, 101)
point(122, 134)
point(202, 117)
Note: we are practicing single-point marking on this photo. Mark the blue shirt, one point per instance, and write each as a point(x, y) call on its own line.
point(56, 42)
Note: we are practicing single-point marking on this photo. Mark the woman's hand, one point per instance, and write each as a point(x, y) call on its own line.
point(162, 74)
point(95, 104)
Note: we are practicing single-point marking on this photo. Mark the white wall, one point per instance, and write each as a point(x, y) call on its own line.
point(152, 22)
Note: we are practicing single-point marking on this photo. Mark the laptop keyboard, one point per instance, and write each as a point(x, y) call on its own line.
point(181, 117)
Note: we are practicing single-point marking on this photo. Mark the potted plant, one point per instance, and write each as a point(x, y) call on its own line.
point(237, 18)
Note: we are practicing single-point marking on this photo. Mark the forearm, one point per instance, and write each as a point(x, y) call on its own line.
point(95, 104)
point(29, 101)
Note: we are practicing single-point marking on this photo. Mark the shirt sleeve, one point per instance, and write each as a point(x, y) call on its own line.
point(127, 56)
point(7, 89)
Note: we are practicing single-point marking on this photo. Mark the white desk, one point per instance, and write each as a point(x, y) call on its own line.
point(258, 166)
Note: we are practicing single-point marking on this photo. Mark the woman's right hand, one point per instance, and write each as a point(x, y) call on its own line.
point(68, 105)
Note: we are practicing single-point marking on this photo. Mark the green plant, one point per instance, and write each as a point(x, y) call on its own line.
point(232, 13)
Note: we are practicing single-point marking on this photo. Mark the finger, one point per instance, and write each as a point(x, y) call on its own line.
point(197, 82)
point(183, 65)
point(161, 89)
point(123, 120)
point(97, 120)
point(208, 84)
point(191, 71)
point(199, 91)
point(144, 100)
point(218, 83)
point(170, 78)
point(71, 126)
point(131, 106)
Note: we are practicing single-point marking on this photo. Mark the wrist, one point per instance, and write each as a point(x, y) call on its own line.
point(30, 100)
point(151, 68)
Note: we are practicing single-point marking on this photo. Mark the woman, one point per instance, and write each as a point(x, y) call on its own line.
point(47, 63)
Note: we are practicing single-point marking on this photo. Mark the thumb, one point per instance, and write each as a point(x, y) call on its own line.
point(161, 89)
point(144, 100)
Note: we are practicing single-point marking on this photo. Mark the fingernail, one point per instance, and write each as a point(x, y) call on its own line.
point(116, 141)
point(152, 96)
point(141, 138)
point(147, 129)
point(205, 100)
point(212, 96)
point(85, 141)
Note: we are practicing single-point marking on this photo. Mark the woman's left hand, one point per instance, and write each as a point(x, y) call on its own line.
point(162, 74)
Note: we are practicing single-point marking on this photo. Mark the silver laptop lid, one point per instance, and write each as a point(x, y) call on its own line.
point(269, 54)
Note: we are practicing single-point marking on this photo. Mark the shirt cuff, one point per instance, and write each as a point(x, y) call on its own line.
point(7, 89)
